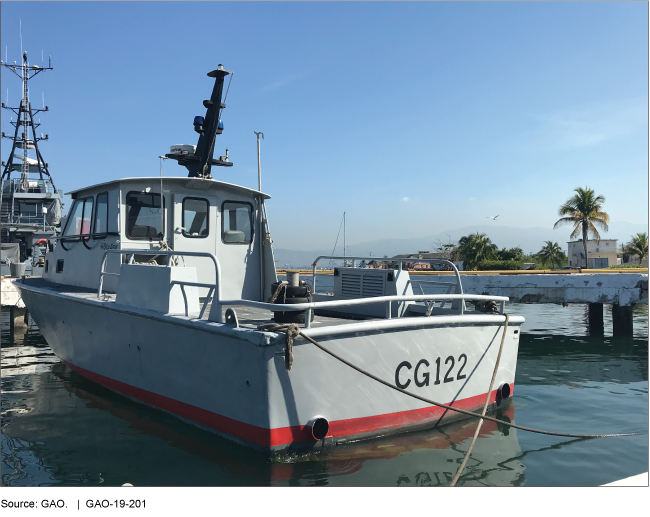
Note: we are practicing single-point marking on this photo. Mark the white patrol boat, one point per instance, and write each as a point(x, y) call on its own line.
point(168, 294)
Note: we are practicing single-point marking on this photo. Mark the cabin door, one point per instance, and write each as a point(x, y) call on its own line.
point(196, 229)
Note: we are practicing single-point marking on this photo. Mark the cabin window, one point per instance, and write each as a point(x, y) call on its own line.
point(101, 215)
point(79, 218)
point(236, 222)
point(143, 220)
point(196, 218)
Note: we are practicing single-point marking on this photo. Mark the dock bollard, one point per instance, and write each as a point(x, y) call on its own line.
point(293, 278)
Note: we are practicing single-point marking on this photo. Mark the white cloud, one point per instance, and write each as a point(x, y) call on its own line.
point(472, 199)
point(592, 125)
point(286, 80)
point(405, 199)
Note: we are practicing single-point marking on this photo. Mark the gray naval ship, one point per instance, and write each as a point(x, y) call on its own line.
point(31, 205)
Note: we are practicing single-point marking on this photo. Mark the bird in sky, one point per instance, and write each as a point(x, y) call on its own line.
point(494, 218)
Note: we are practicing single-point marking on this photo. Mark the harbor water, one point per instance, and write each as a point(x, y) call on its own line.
point(61, 429)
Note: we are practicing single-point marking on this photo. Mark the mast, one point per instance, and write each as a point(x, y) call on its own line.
point(199, 164)
point(25, 121)
point(345, 262)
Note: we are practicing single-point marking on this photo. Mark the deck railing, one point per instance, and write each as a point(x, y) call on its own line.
point(216, 288)
point(218, 302)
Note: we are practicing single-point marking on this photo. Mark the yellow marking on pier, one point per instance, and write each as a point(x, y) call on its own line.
point(510, 272)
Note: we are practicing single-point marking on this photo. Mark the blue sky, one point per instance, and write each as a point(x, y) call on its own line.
point(414, 118)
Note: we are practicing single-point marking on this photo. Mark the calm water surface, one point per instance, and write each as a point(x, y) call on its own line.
point(61, 429)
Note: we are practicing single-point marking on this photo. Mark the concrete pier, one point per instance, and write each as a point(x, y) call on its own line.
point(13, 303)
point(621, 291)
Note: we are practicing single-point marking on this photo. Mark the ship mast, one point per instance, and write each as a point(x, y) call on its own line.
point(25, 121)
point(199, 163)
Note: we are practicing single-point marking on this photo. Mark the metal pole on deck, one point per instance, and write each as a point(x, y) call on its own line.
point(162, 202)
point(259, 163)
point(259, 217)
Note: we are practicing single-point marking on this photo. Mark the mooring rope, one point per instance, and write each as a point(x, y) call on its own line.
point(485, 406)
point(292, 331)
point(281, 286)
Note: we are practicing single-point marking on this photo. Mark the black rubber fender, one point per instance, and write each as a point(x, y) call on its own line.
point(293, 316)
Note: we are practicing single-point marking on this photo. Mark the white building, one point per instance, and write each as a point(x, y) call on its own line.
point(600, 254)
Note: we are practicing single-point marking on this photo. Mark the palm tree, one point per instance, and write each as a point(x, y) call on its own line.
point(637, 247)
point(551, 253)
point(476, 247)
point(585, 211)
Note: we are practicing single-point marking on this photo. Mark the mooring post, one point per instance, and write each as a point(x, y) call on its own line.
point(26, 318)
point(622, 320)
point(11, 321)
point(596, 323)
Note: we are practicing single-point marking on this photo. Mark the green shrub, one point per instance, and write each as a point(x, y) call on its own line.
point(499, 265)
point(628, 266)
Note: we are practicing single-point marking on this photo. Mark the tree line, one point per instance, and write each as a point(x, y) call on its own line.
point(479, 253)
point(584, 211)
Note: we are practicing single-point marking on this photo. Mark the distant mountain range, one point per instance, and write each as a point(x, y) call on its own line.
point(528, 239)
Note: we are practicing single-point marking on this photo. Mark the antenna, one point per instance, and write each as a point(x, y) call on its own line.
point(41, 56)
point(259, 165)
point(43, 99)
point(21, 36)
point(5, 53)
point(344, 261)
point(162, 202)
point(7, 102)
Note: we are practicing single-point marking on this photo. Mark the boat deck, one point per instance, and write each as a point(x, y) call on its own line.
point(248, 317)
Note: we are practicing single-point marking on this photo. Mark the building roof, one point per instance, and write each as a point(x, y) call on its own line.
point(417, 256)
point(592, 240)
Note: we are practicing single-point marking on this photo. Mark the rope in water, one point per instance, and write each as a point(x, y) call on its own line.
point(292, 331)
point(485, 406)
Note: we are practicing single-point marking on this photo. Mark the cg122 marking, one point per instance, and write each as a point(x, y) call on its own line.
point(422, 376)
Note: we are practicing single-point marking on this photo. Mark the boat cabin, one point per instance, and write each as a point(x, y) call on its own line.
point(198, 215)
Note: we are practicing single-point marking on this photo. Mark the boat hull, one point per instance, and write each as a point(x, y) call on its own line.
point(235, 382)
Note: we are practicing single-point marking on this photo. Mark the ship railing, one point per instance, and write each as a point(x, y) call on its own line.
point(212, 288)
point(449, 286)
point(400, 261)
point(218, 303)
point(33, 220)
point(15, 186)
point(387, 300)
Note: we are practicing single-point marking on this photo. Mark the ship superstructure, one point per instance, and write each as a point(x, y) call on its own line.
point(31, 204)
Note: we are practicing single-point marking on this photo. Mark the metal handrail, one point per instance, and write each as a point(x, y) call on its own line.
point(310, 306)
point(431, 282)
point(459, 286)
point(218, 303)
point(83, 236)
point(215, 261)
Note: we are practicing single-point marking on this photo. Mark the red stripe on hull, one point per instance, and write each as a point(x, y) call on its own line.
point(281, 435)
